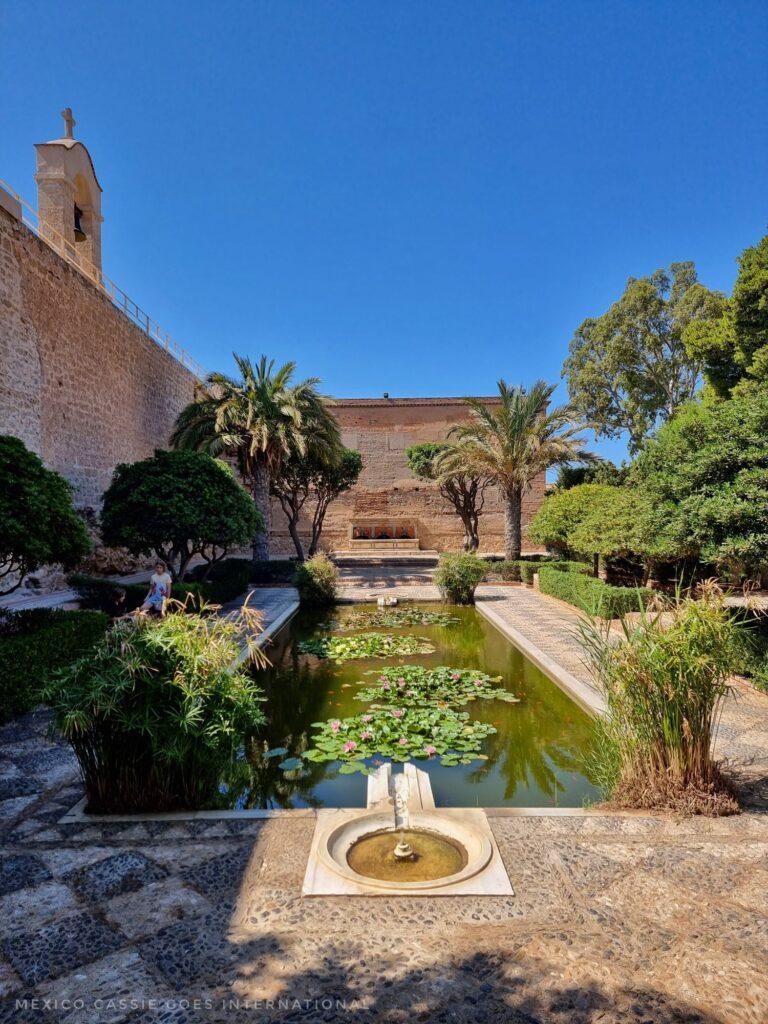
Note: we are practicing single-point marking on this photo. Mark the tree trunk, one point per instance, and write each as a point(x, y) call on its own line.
point(260, 487)
point(513, 514)
point(294, 532)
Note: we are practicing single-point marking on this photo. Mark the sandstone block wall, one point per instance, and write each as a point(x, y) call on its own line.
point(81, 384)
point(381, 429)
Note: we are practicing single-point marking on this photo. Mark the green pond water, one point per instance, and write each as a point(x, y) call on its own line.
point(534, 759)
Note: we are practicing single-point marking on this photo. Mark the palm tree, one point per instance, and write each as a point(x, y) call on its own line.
point(513, 443)
point(259, 419)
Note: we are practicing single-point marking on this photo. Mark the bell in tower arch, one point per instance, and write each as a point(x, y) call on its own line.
point(79, 233)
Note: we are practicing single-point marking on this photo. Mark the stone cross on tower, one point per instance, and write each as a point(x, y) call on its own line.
point(69, 122)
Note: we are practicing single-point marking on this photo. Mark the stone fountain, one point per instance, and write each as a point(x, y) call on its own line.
point(402, 844)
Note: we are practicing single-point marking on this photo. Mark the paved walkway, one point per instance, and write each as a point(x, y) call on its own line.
point(616, 918)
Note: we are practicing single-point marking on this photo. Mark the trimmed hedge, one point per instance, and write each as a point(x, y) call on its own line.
point(278, 570)
point(514, 571)
point(590, 594)
point(34, 644)
point(227, 580)
point(524, 569)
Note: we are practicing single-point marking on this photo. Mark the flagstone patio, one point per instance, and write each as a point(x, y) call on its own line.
point(616, 917)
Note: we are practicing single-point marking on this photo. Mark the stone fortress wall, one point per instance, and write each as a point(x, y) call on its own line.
point(80, 383)
point(381, 429)
point(86, 388)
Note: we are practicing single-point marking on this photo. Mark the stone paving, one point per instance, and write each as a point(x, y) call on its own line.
point(616, 917)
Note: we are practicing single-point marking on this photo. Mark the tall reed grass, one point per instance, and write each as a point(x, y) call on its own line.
point(159, 708)
point(664, 678)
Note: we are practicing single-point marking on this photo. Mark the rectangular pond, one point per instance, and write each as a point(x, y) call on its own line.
point(534, 758)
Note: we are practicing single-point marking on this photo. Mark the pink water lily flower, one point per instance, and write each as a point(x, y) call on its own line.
point(366, 718)
point(366, 735)
point(401, 681)
point(430, 750)
point(386, 686)
point(398, 713)
point(403, 741)
point(455, 675)
point(478, 682)
point(349, 746)
point(335, 725)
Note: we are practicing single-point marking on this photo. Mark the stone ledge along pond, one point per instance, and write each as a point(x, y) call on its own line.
point(533, 759)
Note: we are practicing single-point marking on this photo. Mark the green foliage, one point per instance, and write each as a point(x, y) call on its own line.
point(735, 346)
point(414, 685)
point(752, 660)
point(588, 520)
point(316, 475)
point(664, 681)
point(38, 525)
point(601, 471)
point(157, 710)
point(365, 645)
point(177, 505)
point(259, 419)
point(33, 645)
point(402, 734)
point(275, 570)
point(704, 479)
point(440, 462)
point(316, 581)
point(393, 618)
point(513, 443)
point(520, 571)
point(227, 580)
point(629, 369)
point(591, 595)
point(458, 575)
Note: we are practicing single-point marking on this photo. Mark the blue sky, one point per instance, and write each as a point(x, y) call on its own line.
point(408, 197)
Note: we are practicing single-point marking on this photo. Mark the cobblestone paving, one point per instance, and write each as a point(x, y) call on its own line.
point(616, 917)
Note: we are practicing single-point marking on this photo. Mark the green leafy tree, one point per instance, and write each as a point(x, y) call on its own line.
point(560, 514)
point(38, 524)
point(704, 478)
point(735, 346)
point(601, 471)
point(260, 419)
point(177, 505)
point(630, 369)
point(433, 461)
point(317, 479)
point(510, 445)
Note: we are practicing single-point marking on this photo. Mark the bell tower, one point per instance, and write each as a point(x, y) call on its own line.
point(69, 196)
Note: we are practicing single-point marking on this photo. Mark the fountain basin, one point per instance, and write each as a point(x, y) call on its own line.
point(473, 865)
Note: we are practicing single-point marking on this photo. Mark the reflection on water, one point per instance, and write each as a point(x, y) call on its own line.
point(533, 760)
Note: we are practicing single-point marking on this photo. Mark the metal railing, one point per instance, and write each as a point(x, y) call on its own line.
point(31, 218)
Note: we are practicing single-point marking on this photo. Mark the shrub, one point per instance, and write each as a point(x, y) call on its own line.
point(33, 644)
point(226, 581)
point(457, 576)
point(316, 581)
point(156, 712)
point(177, 505)
point(223, 581)
point(591, 595)
point(664, 681)
point(753, 649)
point(38, 525)
point(513, 571)
point(96, 592)
point(277, 570)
